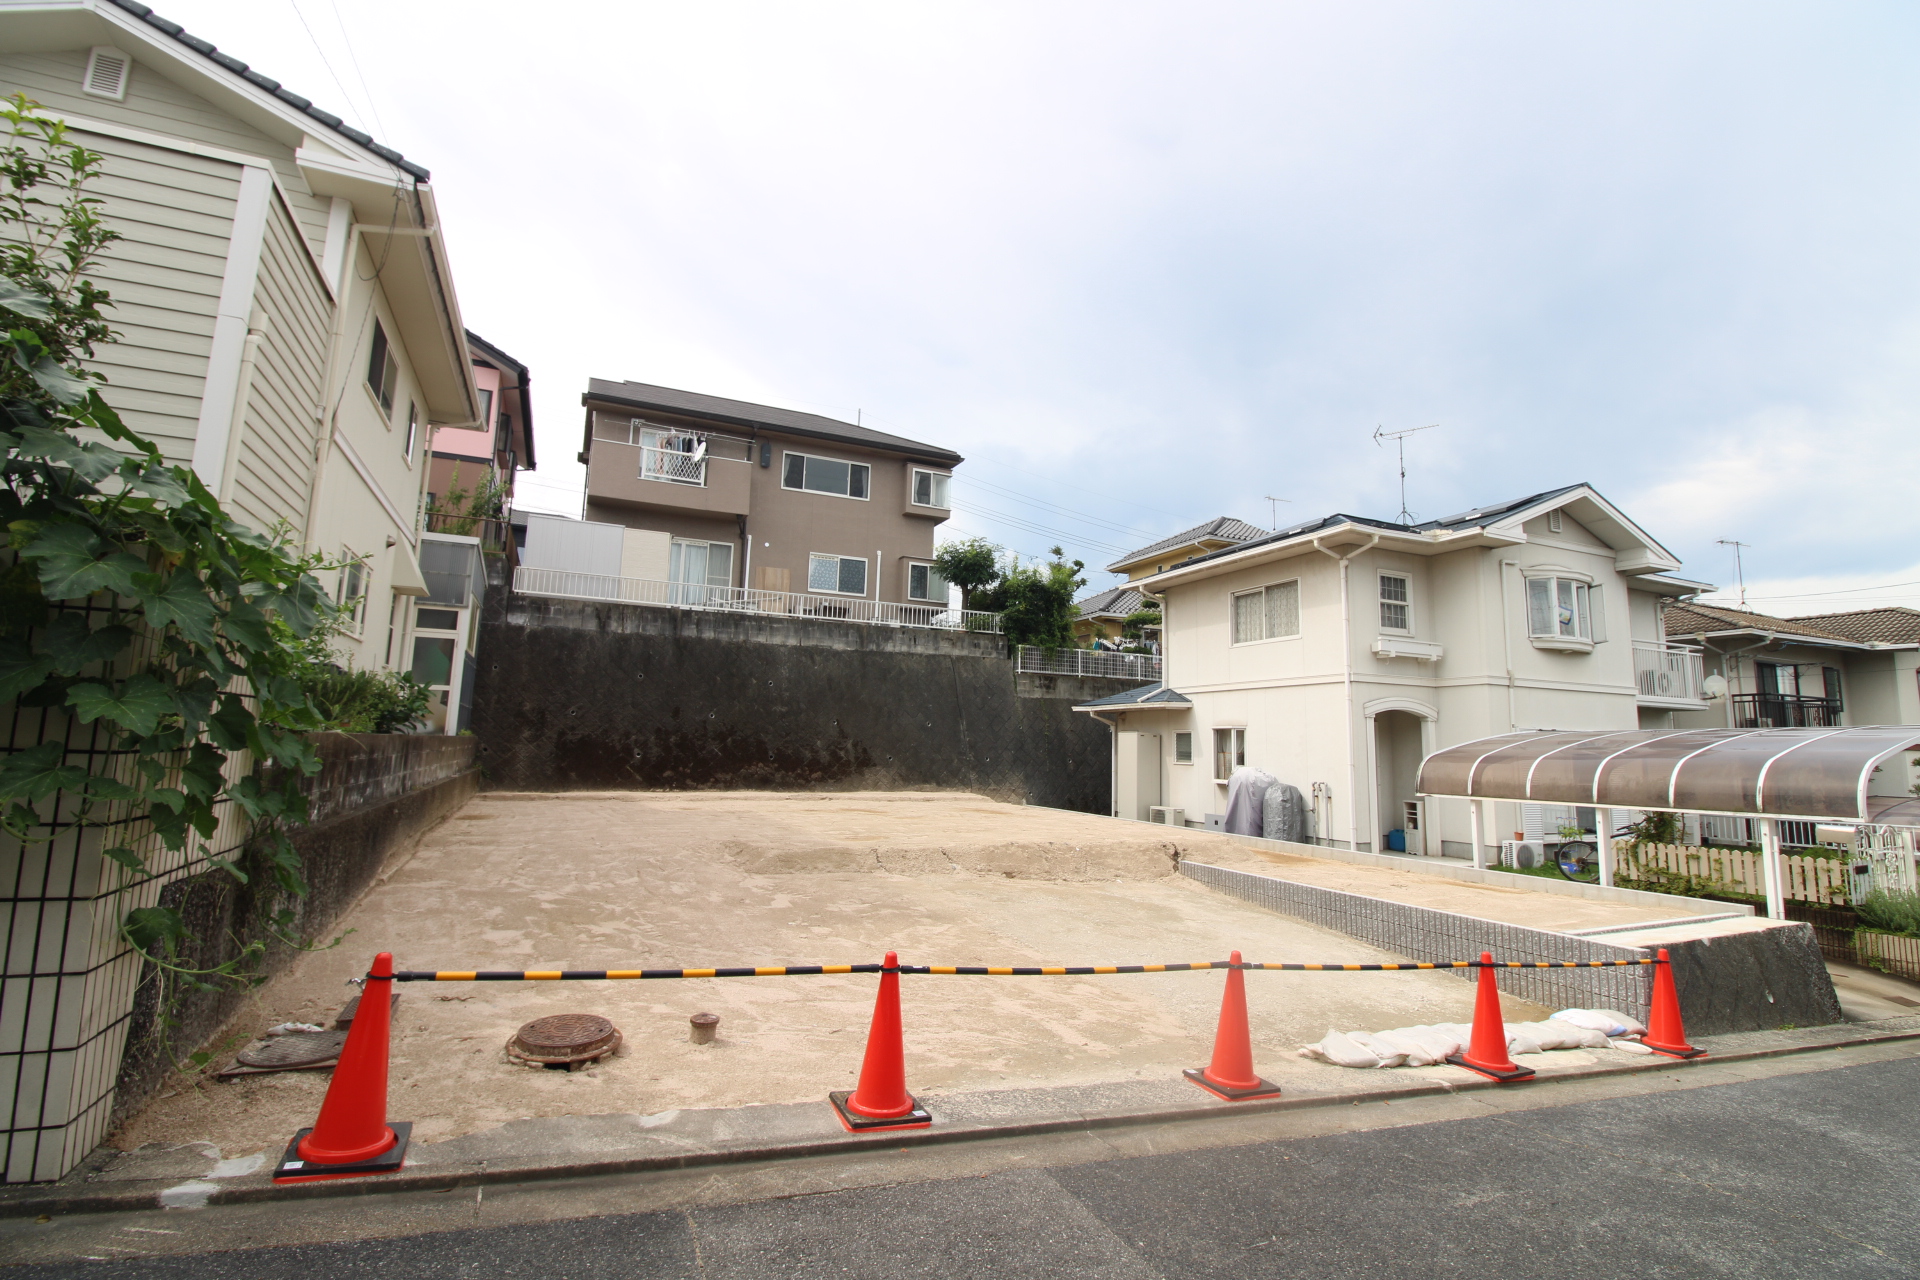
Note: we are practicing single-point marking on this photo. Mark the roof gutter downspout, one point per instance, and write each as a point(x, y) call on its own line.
point(1506, 641)
point(1346, 681)
point(1113, 761)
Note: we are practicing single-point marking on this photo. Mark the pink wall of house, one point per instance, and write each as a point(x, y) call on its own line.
point(472, 444)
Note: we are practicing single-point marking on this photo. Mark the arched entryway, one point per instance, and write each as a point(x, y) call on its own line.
point(1399, 735)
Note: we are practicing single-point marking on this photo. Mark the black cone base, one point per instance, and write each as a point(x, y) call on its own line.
point(1264, 1089)
point(1681, 1051)
point(1492, 1073)
point(293, 1169)
point(853, 1122)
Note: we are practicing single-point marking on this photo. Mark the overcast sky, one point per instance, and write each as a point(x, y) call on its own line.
point(1145, 264)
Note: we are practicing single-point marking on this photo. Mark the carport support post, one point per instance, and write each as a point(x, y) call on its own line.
point(1478, 828)
point(1770, 862)
point(1604, 819)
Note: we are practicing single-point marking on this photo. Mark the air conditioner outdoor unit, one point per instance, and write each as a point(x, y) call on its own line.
point(1522, 855)
point(1169, 816)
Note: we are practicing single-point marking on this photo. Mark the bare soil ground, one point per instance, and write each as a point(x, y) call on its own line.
point(673, 880)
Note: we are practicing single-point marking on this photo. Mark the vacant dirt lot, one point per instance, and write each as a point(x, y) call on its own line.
point(670, 880)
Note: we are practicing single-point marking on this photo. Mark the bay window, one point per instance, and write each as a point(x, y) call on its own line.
point(1564, 612)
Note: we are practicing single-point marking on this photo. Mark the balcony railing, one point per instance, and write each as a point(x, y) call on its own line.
point(496, 536)
point(1784, 711)
point(1667, 673)
point(673, 465)
point(565, 585)
point(1141, 667)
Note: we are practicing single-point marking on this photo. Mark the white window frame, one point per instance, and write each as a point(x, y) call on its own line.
point(706, 582)
point(1380, 586)
point(933, 572)
point(824, 493)
point(350, 593)
point(1236, 747)
point(1580, 602)
point(1188, 735)
point(866, 569)
point(913, 488)
point(1233, 608)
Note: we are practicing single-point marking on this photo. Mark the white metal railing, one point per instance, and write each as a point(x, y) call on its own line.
point(566, 585)
point(673, 465)
point(1144, 667)
point(1667, 673)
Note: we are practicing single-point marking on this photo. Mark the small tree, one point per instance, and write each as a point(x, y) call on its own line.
point(969, 564)
point(1039, 607)
point(1133, 626)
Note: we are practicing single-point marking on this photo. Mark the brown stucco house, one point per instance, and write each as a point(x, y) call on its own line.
point(723, 493)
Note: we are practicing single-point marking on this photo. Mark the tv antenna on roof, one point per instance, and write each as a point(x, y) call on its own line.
point(1380, 436)
point(1739, 572)
point(1273, 509)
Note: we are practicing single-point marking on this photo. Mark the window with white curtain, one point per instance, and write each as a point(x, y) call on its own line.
point(1269, 613)
point(1564, 609)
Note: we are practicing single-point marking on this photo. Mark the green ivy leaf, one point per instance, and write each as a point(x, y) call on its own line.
point(21, 669)
point(103, 788)
point(195, 700)
point(125, 857)
point(138, 705)
point(228, 726)
point(179, 600)
point(247, 626)
point(23, 302)
point(38, 772)
point(64, 387)
point(72, 646)
point(152, 929)
point(71, 566)
point(161, 482)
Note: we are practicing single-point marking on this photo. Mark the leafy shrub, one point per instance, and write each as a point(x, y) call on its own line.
point(367, 701)
point(1895, 911)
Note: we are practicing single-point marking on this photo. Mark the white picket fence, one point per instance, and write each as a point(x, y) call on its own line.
point(1739, 870)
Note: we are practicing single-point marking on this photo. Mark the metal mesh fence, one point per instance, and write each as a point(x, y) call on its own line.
point(1422, 933)
point(67, 974)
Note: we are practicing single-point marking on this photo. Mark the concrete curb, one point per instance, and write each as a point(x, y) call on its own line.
point(83, 1191)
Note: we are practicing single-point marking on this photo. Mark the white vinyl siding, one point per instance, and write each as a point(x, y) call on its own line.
point(274, 458)
point(1269, 613)
point(157, 104)
point(840, 575)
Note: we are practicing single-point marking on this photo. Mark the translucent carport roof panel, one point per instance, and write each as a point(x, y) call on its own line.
point(1811, 779)
point(1800, 773)
point(1565, 775)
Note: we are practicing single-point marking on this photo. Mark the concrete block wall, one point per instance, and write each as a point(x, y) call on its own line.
point(576, 695)
point(1423, 933)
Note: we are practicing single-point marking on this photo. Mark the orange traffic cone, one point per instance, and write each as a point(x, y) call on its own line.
point(1230, 1075)
point(881, 1101)
point(352, 1137)
point(1487, 1052)
point(1664, 1032)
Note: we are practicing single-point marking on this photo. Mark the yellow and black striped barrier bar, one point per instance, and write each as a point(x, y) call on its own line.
point(976, 971)
point(615, 975)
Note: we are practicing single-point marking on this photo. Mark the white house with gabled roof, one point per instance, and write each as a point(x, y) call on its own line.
point(1337, 653)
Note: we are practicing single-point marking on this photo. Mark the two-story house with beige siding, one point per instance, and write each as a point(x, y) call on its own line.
point(723, 493)
point(287, 317)
point(1336, 654)
point(288, 328)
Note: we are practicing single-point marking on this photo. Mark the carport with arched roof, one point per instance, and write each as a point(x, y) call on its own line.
point(1814, 775)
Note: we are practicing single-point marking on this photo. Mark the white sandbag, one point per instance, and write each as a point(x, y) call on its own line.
point(1610, 1021)
point(1520, 1042)
point(1630, 1046)
point(1388, 1055)
point(1340, 1050)
point(1559, 1033)
point(1415, 1053)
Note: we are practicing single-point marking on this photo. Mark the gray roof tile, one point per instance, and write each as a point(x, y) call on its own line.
point(1220, 528)
point(645, 395)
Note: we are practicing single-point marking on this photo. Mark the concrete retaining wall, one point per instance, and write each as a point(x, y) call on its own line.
point(1423, 933)
point(1748, 981)
point(578, 695)
point(375, 796)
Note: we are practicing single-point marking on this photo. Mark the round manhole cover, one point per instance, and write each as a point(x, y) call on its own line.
point(295, 1049)
point(564, 1039)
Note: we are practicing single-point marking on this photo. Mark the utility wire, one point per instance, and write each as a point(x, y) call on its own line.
point(1066, 511)
point(345, 95)
point(358, 73)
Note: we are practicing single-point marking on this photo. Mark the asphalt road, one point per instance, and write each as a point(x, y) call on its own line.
point(1813, 1174)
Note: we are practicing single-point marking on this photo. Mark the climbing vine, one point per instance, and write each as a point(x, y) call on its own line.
point(131, 601)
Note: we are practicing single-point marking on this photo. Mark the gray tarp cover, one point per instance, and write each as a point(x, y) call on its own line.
point(1788, 773)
